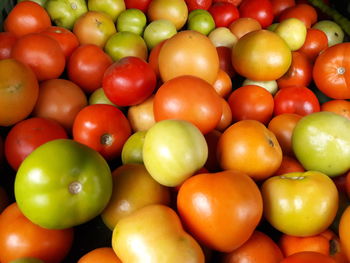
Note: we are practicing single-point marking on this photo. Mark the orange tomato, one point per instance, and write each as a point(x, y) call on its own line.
point(315, 42)
point(344, 231)
point(102, 254)
point(226, 116)
point(308, 257)
point(282, 126)
point(223, 84)
point(341, 107)
point(244, 25)
point(259, 246)
point(249, 142)
point(211, 204)
point(289, 165)
point(304, 12)
point(188, 53)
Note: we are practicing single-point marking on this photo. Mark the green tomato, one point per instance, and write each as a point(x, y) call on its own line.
point(111, 7)
point(333, 31)
point(300, 204)
point(99, 97)
point(157, 31)
point(293, 31)
point(132, 149)
point(27, 260)
point(40, 2)
point(201, 21)
point(173, 150)
point(63, 183)
point(64, 13)
point(321, 142)
point(132, 20)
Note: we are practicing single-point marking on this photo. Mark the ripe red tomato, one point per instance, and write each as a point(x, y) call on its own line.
point(260, 10)
point(315, 42)
point(88, 60)
point(27, 17)
point(102, 127)
point(42, 53)
point(7, 40)
point(331, 71)
point(65, 38)
point(279, 6)
point(299, 72)
point(198, 4)
point(188, 98)
point(295, 99)
point(223, 13)
point(234, 2)
point(139, 4)
point(303, 12)
point(29, 134)
point(129, 81)
point(251, 102)
point(225, 62)
point(20, 238)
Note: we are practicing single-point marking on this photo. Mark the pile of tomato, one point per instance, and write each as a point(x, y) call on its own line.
point(174, 131)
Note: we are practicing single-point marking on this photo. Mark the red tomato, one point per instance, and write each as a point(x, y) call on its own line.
point(225, 63)
point(7, 40)
point(29, 134)
point(65, 38)
point(153, 58)
point(260, 10)
point(223, 13)
point(331, 71)
point(234, 2)
point(188, 98)
point(42, 53)
point(289, 165)
point(27, 17)
point(88, 60)
point(139, 4)
point(129, 81)
point(294, 99)
point(279, 6)
point(308, 257)
point(315, 42)
point(251, 102)
point(102, 127)
point(299, 72)
point(198, 4)
point(20, 238)
point(303, 12)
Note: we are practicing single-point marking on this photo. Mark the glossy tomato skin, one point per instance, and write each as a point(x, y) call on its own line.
point(88, 60)
point(198, 4)
point(102, 127)
point(179, 98)
point(105, 254)
point(223, 13)
point(25, 18)
point(42, 53)
point(139, 4)
point(344, 231)
point(225, 63)
point(31, 240)
point(208, 203)
point(129, 81)
point(279, 6)
point(315, 42)
point(304, 12)
point(260, 10)
point(308, 257)
point(295, 99)
point(76, 188)
point(331, 71)
point(7, 40)
point(27, 135)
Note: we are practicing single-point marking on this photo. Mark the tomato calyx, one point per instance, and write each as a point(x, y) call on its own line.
point(75, 187)
point(341, 70)
point(106, 139)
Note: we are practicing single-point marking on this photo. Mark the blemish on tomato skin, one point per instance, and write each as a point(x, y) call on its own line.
point(13, 88)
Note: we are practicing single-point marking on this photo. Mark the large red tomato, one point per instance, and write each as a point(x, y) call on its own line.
point(260, 10)
point(129, 81)
point(139, 4)
point(315, 42)
point(188, 98)
point(88, 60)
point(198, 4)
point(331, 71)
point(304, 12)
point(29, 134)
point(223, 13)
point(102, 127)
point(20, 238)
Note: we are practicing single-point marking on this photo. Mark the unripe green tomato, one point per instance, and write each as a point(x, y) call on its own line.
point(131, 20)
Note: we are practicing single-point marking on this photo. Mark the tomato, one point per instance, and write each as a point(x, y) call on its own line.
point(234, 2)
point(42, 53)
point(102, 127)
point(7, 40)
point(282, 126)
point(331, 71)
point(198, 4)
point(139, 4)
point(296, 99)
point(19, 91)
point(208, 203)
point(105, 254)
point(260, 10)
point(26, 17)
point(304, 12)
point(244, 25)
point(344, 231)
point(225, 63)
point(242, 143)
point(308, 257)
point(289, 165)
point(341, 107)
point(178, 99)
point(251, 102)
point(223, 13)
point(226, 116)
point(189, 53)
point(279, 6)
point(65, 38)
point(60, 100)
point(258, 246)
point(19, 238)
point(27, 135)
point(299, 72)
point(261, 55)
point(315, 42)
point(153, 57)
point(223, 84)
point(129, 81)
point(141, 116)
point(88, 60)
point(75, 189)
